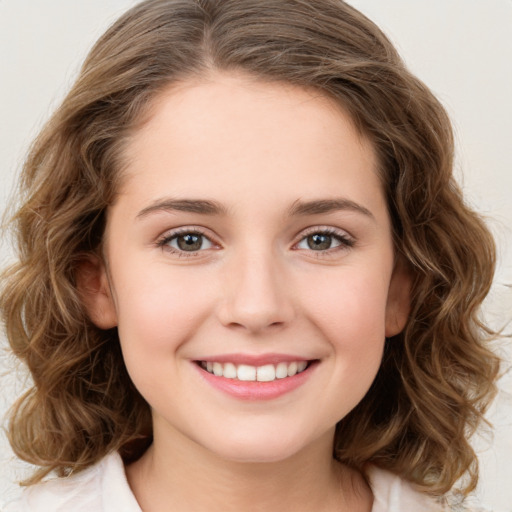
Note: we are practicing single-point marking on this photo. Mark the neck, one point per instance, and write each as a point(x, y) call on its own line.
point(189, 477)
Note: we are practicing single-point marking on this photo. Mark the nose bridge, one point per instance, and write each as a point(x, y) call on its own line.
point(255, 294)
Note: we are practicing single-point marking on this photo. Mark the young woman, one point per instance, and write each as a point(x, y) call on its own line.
point(247, 279)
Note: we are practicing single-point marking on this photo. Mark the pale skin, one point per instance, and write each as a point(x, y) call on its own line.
point(293, 255)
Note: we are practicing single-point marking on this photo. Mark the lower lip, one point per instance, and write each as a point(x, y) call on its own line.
point(254, 390)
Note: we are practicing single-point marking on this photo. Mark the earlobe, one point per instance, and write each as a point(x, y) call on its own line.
point(94, 289)
point(399, 299)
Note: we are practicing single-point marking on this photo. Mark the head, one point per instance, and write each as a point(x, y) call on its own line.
point(434, 377)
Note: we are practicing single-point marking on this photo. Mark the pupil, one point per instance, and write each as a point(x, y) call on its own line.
point(190, 242)
point(319, 242)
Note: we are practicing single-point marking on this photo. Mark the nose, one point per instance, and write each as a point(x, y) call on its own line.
point(255, 293)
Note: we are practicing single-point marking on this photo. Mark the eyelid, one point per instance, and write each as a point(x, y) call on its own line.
point(325, 228)
point(346, 239)
point(164, 239)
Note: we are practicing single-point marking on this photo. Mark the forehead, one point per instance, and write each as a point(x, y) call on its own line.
point(229, 130)
point(244, 101)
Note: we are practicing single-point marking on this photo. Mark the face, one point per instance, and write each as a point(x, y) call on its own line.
point(250, 267)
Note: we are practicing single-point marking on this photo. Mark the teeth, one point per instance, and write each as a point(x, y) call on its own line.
point(217, 369)
point(281, 370)
point(229, 371)
point(292, 369)
point(265, 373)
point(301, 366)
point(245, 372)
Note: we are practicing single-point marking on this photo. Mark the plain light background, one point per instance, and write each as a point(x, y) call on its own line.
point(462, 49)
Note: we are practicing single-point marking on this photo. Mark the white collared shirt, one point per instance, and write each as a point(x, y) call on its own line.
point(104, 488)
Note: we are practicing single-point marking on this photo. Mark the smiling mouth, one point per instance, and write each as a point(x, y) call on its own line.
point(248, 373)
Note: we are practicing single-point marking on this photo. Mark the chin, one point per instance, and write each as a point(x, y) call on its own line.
point(261, 448)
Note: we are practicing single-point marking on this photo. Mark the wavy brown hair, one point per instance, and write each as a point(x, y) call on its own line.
point(436, 378)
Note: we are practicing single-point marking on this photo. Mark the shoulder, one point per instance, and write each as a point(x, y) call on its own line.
point(100, 488)
point(390, 492)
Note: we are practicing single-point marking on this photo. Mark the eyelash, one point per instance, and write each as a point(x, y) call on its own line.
point(164, 242)
point(345, 241)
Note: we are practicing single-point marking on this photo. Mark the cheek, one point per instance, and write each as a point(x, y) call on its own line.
point(350, 315)
point(350, 307)
point(157, 313)
point(156, 320)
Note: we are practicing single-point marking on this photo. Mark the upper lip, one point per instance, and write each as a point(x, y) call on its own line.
point(254, 359)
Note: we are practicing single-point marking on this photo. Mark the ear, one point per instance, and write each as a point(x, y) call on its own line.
point(398, 304)
point(94, 289)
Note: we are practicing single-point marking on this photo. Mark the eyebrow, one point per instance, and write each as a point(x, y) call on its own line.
point(203, 206)
point(209, 207)
point(328, 206)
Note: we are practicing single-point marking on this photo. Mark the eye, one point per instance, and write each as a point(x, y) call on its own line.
point(325, 240)
point(186, 241)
